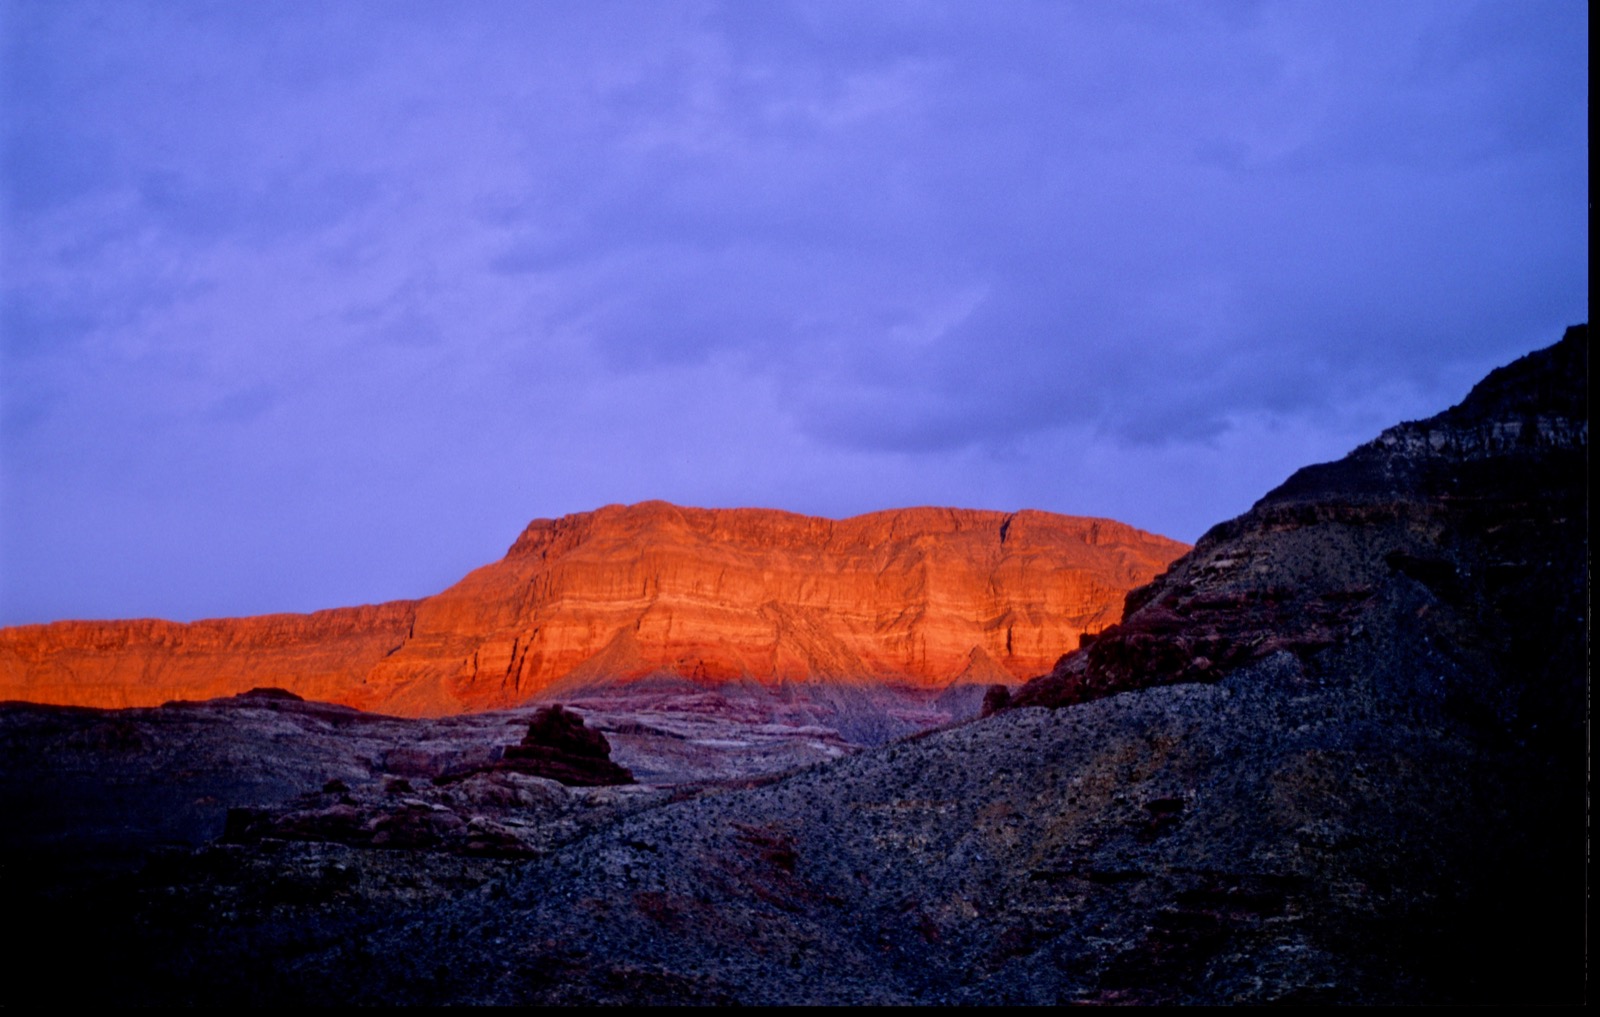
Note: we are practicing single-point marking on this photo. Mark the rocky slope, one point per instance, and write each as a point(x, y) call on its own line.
point(918, 598)
point(1483, 508)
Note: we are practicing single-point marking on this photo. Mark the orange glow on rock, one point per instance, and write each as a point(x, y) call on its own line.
point(916, 597)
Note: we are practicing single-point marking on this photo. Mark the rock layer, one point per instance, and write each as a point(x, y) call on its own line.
point(1479, 508)
point(916, 597)
point(116, 664)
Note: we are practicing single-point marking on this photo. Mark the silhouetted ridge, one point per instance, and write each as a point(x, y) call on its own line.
point(1484, 503)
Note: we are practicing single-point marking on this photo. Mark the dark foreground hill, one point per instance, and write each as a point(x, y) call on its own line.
point(1337, 753)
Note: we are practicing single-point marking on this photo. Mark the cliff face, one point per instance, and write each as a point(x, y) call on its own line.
point(148, 662)
point(919, 597)
point(1481, 510)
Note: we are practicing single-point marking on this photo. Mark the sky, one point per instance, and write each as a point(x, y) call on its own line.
point(306, 305)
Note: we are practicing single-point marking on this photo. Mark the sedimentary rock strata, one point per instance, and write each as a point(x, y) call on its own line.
point(1481, 508)
point(915, 597)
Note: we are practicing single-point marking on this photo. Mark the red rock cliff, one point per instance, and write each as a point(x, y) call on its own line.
point(915, 596)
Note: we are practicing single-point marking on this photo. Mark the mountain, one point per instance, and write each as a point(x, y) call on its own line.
point(1335, 754)
point(915, 597)
point(1482, 509)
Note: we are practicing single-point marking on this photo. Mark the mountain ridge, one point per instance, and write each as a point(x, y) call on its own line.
point(903, 596)
point(1461, 502)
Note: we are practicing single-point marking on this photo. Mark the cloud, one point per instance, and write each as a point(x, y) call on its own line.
point(489, 261)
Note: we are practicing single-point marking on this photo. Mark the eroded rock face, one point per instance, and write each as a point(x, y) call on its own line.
point(915, 597)
point(116, 664)
point(1480, 509)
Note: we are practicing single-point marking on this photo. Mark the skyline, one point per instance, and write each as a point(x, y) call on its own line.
point(304, 307)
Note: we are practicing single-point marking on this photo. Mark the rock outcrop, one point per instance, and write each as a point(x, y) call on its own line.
point(1480, 509)
point(560, 747)
point(916, 597)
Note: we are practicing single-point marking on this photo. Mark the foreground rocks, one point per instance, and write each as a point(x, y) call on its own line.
point(515, 807)
point(920, 598)
point(97, 790)
point(559, 747)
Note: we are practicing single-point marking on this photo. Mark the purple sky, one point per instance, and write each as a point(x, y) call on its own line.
point(305, 305)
